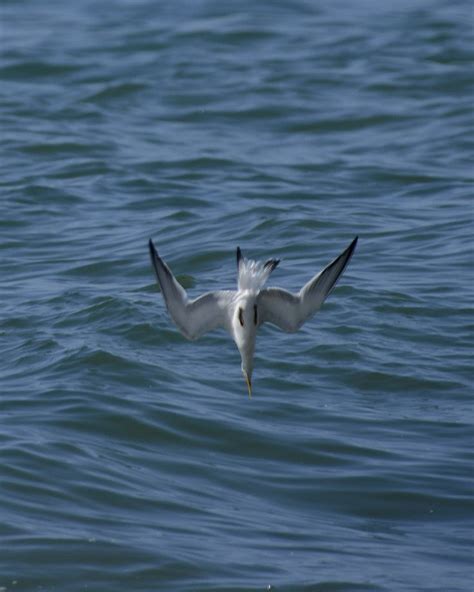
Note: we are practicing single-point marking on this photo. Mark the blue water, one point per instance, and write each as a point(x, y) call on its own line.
point(132, 459)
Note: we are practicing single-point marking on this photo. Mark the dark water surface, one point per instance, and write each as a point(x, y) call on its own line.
point(132, 459)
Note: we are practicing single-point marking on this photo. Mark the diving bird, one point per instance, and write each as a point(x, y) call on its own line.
point(242, 311)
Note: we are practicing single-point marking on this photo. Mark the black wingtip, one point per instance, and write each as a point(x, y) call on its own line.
point(151, 247)
point(346, 255)
point(349, 251)
point(239, 256)
point(153, 252)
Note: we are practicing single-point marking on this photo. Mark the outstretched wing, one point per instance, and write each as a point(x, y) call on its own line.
point(192, 317)
point(289, 311)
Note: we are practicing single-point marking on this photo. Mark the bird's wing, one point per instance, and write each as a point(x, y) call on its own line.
point(192, 317)
point(289, 311)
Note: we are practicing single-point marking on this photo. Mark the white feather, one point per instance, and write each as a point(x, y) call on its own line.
point(252, 275)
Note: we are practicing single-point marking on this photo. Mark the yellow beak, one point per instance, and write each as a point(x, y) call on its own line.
point(249, 384)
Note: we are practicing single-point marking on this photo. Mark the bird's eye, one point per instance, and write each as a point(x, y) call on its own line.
point(241, 317)
point(255, 318)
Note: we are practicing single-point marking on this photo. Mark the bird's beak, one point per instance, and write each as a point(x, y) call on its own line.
point(248, 380)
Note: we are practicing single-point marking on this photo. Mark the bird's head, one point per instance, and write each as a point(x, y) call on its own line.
point(245, 322)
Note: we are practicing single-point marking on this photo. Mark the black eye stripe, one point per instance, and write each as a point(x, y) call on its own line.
point(241, 317)
point(255, 317)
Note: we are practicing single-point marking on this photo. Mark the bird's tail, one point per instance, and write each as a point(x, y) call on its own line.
point(252, 275)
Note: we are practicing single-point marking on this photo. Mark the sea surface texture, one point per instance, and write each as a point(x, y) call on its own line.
point(132, 459)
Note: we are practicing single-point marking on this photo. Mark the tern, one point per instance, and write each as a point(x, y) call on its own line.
point(242, 311)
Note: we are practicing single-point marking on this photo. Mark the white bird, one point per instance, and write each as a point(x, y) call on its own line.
point(242, 311)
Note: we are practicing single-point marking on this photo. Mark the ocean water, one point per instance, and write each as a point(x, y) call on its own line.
point(132, 459)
